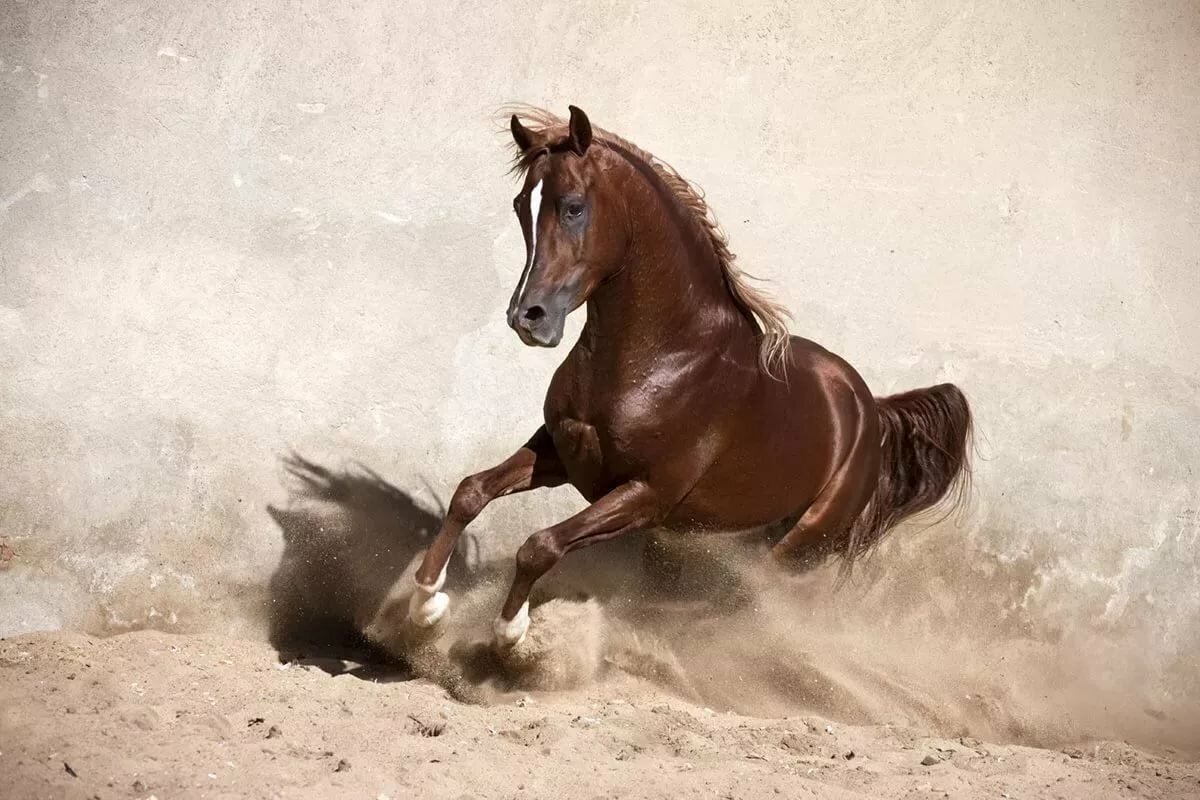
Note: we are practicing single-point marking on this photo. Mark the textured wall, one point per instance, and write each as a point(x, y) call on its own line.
point(227, 229)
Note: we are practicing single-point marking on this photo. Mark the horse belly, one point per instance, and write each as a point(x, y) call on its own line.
point(778, 459)
point(736, 495)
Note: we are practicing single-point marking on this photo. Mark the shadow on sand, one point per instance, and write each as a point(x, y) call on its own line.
point(351, 539)
point(349, 536)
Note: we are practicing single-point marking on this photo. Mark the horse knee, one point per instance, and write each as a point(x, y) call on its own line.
point(538, 554)
point(469, 499)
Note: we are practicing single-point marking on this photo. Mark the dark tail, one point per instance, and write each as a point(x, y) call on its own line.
point(925, 460)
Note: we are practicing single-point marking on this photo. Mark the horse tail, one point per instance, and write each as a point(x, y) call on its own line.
point(925, 441)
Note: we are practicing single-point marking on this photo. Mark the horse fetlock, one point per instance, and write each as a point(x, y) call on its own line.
point(511, 632)
point(436, 585)
point(426, 609)
point(428, 603)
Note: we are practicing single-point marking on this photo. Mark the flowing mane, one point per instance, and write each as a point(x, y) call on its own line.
point(768, 315)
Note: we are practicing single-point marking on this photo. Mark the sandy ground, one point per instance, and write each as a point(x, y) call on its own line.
point(154, 714)
point(693, 672)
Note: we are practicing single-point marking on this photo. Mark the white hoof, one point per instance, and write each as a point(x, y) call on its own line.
point(425, 610)
point(428, 604)
point(511, 632)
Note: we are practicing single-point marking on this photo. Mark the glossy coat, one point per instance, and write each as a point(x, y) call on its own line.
point(682, 405)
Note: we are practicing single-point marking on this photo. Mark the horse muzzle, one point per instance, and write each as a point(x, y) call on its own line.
point(539, 323)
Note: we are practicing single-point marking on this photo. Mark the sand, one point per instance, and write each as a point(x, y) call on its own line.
point(696, 671)
point(151, 714)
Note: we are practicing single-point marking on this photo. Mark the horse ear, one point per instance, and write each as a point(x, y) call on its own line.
point(581, 131)
point(520, 134)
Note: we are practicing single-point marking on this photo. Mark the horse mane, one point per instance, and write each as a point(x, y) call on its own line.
point(764, 312)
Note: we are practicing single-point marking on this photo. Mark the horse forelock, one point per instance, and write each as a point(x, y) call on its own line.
point(767, 313)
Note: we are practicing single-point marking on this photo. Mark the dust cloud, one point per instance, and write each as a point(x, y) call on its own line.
point(931, 631)
point(909, 648)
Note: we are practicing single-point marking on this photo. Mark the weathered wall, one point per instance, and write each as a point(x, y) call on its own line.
point(227, 229)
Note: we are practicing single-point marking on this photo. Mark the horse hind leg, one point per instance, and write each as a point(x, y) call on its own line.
point(822, 529)
point(813, 538)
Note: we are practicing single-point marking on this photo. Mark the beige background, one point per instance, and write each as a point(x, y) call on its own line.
point(229, 229)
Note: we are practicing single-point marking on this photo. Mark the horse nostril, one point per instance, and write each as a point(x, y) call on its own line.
point(534, 313)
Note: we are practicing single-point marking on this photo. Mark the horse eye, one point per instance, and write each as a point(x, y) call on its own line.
point(574, 209)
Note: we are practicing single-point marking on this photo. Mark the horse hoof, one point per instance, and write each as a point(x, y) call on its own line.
point(511, 632)
point(426, 610)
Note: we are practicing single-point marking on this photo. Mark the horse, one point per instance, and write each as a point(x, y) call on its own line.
point(685, 405)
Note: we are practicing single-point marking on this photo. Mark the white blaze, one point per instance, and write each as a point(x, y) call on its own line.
point(535, 207)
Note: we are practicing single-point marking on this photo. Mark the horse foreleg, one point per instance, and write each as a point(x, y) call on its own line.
point(628, 508)
point(534, 466)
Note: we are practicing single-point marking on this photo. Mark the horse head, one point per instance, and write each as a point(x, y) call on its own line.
point(569, 216)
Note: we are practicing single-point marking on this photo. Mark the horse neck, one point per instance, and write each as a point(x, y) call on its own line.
point(670, 293)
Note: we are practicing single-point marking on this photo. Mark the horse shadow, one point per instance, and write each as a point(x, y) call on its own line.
point(352, 540)
point(349, 536)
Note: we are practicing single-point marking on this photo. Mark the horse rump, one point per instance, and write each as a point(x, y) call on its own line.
point(925, 441)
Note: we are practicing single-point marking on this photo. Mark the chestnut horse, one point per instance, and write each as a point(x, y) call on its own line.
point(685, 405)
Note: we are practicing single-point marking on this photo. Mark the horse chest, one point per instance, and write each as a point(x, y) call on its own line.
point(598, 453)
point(606, 432)
point(578, 446)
